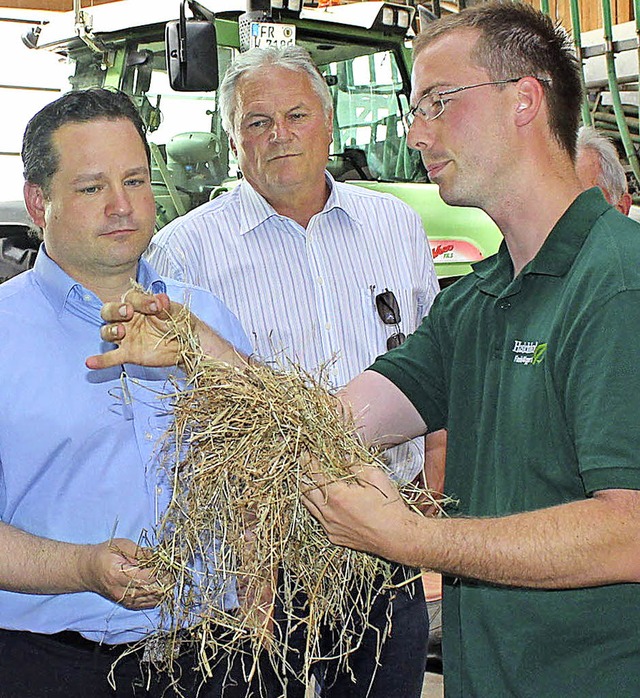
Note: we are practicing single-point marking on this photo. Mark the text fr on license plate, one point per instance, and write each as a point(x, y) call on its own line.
point(271, 34)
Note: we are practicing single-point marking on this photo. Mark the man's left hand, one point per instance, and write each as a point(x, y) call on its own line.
point(365, 513)
point(141, 328)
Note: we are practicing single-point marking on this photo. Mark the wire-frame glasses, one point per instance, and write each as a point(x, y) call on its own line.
point(431, 105)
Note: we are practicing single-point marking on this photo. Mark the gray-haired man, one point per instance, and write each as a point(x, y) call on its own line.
point(598, 165)
point(318, 272)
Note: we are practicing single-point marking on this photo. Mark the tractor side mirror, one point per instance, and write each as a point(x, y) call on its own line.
point(192, 50)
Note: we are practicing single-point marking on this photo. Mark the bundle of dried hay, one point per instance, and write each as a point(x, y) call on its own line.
point(237, 448)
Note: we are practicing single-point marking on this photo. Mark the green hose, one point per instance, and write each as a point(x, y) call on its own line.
point(636, 14)
point(615, 91)
point(577, 34)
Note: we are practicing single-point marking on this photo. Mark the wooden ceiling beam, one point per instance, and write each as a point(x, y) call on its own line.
point(48, 4)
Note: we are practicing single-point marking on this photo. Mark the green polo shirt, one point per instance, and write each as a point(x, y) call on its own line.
point(537, 379)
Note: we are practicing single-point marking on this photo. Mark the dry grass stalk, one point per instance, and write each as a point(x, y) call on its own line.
point(235, 456)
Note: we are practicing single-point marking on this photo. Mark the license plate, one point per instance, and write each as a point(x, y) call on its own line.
point(270, 34)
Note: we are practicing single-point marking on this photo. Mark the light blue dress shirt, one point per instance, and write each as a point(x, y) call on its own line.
point(78, 448)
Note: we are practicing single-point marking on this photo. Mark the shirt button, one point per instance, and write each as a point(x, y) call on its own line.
point(158, 490)
point(328, 325)
point(148, 436)
point(320, 281)
point(86, 298)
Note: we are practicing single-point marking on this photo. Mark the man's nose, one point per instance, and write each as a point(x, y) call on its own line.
point(281, 130)
point(421, 134)
point(119, 203)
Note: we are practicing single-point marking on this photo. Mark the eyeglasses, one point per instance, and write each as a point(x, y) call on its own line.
point(431, 105)
point(389, 312)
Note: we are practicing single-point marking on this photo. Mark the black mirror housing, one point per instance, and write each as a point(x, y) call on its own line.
point(192, 54)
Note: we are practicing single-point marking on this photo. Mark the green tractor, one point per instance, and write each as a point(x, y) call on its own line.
point(168, 55)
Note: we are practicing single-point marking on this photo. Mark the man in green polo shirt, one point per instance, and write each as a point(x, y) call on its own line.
point(532, 364)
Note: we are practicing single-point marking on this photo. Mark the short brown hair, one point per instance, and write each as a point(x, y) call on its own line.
point(39, 156)
point(518, 40)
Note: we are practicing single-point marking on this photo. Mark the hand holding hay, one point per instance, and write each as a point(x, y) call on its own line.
point(117, 569)
point(353, 512)
point(151, 330)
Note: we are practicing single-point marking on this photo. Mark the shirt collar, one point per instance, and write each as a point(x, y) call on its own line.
point(255, 209)
point(62, 291)
point(339, 200)
point(558, 251)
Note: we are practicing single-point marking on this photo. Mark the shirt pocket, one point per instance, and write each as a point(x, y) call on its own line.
point(411, 304)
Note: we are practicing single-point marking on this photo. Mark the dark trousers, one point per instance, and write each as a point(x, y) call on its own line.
point(394, 670)
point(66, 666)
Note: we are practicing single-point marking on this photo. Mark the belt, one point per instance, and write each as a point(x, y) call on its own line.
point(77, 641)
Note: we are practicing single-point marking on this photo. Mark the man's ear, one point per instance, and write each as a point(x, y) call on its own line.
point(232, 145)
point(35, 202)
point(624, 205)
point(529, 100)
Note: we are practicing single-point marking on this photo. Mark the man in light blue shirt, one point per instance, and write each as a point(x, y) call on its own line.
point(81, 483)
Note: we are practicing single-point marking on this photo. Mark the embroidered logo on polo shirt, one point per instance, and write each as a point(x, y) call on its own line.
point(528, 353)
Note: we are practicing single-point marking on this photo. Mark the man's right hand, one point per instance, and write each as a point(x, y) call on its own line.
point(113, 570)
point(116, 569)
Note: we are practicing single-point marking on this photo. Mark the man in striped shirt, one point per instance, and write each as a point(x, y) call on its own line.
point(322, 274)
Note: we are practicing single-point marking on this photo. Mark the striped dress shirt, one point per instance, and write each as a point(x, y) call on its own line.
point(308, 295)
